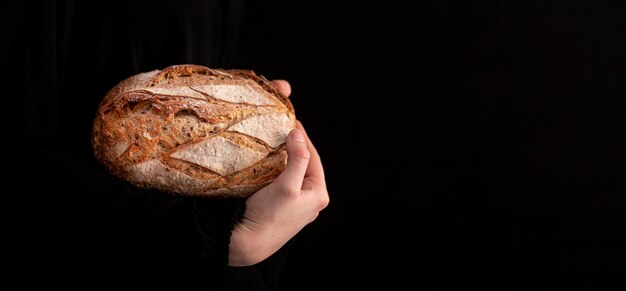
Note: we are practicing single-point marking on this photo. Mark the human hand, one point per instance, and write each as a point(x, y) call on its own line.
point(277, 212)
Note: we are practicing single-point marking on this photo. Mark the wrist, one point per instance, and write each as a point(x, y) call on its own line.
point(250, 246)
point(244, 248)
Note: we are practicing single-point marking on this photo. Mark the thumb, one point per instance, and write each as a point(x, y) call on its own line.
point(297, 162)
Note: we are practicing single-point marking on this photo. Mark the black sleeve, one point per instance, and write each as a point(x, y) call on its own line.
point(214, 220)
point(262, 276)
point(186, 243)
point(189, 239)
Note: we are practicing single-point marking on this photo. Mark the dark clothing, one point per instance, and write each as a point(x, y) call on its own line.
point(79, 226)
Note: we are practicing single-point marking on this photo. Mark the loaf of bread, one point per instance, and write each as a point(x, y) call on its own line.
point(195, 131)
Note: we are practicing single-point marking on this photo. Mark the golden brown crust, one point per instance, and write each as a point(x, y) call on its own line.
point(194, 131)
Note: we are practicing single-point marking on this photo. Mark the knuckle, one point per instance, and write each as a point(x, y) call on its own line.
point(314, 217)
point(290, 192)
point(324, 200)
point(301, 157)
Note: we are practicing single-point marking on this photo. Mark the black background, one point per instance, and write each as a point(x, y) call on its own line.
point(474, 144)
point(470, 144)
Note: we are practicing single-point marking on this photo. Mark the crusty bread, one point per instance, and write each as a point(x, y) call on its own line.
point(194, 131)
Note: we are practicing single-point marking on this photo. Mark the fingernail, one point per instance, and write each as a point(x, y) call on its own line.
point(298, 136)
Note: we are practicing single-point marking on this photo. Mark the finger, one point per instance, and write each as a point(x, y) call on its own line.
point(283, 86)
point(315, 168)
point(298, 159)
